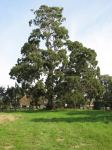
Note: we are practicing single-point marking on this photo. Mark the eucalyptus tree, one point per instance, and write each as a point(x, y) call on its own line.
point(83, 66)
point(53, 66)
point(2, 94)
point(44, 53)
point(106, 81)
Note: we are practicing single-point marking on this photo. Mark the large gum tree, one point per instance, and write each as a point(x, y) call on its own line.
point(51, 65)
point(43, 54)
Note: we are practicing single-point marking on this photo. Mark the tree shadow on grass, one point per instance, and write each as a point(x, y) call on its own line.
point(104, 119)
point(87, 112)
point(30, 111)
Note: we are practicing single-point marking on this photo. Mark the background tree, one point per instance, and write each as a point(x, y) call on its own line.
point(2, 97)
point(83, 67)
point(107, 95)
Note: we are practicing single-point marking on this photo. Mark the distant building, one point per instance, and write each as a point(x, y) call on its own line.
point(25, 101)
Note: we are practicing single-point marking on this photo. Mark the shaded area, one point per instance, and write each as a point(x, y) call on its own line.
point(91, 113)
point(79, 116)
point(32, 111)
point(69, 115)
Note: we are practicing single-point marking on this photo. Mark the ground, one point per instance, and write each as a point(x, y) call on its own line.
point(56, 130)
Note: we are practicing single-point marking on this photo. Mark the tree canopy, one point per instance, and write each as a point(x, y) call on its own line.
point(53, 66)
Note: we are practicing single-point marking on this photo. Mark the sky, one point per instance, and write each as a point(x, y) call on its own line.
point(88, 21)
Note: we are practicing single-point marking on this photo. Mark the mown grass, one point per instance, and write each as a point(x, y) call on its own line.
point(57, 130)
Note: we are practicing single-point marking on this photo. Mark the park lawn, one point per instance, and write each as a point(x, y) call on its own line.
point(57, 130)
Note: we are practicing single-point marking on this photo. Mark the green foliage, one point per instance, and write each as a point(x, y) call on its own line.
point(53, 66)
point(83, 72)
point(2, 92)
point(2, 97)
point(107, 95)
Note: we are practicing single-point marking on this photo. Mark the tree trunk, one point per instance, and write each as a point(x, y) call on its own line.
point(51, 104)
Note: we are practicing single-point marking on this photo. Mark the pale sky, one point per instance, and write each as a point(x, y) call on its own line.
point(88, 21)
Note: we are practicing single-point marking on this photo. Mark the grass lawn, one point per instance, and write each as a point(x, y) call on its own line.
point(56, 130)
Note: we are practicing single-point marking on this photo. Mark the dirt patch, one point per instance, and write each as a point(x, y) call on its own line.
point(8, 118)
point(59, 139)
point(8, 147)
